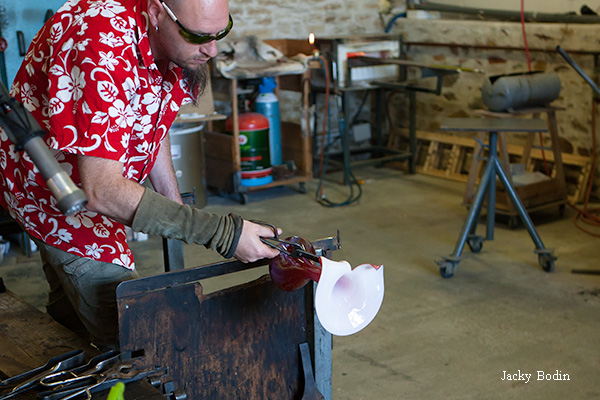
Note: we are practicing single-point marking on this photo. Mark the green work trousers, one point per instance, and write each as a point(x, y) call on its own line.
point(82, 294)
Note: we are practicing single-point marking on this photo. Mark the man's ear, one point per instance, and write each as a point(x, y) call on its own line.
point(155, 10)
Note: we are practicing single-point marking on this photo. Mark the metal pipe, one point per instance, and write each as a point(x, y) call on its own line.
point(578, 69)
point(510, 15)
point(491, 190)
point(487, 47)
point(487, 176)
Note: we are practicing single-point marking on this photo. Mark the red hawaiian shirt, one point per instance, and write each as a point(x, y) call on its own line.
point(89, 79)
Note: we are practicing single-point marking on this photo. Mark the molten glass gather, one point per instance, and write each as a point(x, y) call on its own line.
point(289, 273)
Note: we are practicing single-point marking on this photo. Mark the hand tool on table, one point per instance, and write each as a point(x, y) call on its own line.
point(297, 249)
point(32, 378)
point(98, 381)
point(81, 375)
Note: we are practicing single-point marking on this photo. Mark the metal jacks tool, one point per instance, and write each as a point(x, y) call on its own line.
point(92, 378)
point(297, 250)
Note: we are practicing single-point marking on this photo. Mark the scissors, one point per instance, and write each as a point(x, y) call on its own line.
point(297, 249)
point(63, 362)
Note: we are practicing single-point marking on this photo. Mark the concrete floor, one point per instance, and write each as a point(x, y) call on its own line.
point(433, 338)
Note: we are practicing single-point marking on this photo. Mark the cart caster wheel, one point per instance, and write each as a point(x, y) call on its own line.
point(546, 261)
point(302, 188)
point(243, 198)
point(447, 268)
point(475, 243)
point(514, 222)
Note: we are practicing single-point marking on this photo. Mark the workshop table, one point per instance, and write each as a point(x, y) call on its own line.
point(487, 186)
point(381, 154)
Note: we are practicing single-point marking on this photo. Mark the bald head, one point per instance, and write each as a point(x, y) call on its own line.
point(191, 12)
point(179, 31)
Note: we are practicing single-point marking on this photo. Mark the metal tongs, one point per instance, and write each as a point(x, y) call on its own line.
point(31, 379)
point(298, 250)
point(101, 373)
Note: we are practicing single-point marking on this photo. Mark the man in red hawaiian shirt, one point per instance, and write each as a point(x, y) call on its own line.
point(105, 79)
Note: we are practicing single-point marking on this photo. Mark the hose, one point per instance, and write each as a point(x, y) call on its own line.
point(585, 215)
point(389, 25)
point(325, 152)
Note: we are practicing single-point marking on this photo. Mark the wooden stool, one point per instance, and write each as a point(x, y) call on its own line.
point(535, 196)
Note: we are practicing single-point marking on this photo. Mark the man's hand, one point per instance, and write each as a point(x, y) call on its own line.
point(250, 248)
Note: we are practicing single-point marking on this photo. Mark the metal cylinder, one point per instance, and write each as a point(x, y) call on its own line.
point(187, 154)
point(520, 90)
point(254, 148)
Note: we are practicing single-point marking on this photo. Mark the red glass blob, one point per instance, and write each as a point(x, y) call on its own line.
point(289, 273)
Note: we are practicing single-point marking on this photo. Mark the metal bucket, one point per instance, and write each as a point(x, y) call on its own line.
point(187, 154)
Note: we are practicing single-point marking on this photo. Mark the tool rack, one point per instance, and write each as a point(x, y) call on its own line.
point(380, 153)
point(410, 88)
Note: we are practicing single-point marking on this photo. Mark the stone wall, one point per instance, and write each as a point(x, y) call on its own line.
point(495, 47)
point(270, 19)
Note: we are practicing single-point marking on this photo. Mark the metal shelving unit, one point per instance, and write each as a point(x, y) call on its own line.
point(223, 162)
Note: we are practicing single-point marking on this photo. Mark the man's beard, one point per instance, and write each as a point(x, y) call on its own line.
point(197, 79)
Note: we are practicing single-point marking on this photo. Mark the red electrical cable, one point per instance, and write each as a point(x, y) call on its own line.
point(325, 117)
point(546, 169)
point(525, 34)
point(589, 216)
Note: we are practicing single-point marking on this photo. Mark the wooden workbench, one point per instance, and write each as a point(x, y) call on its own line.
point(29, 338)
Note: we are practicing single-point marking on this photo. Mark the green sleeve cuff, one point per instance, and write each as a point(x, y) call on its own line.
point(158, 215)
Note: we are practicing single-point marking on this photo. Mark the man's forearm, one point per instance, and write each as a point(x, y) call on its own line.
point(162, 175)
point(108, 192)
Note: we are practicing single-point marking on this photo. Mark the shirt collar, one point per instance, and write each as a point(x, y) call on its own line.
point(142, 23)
